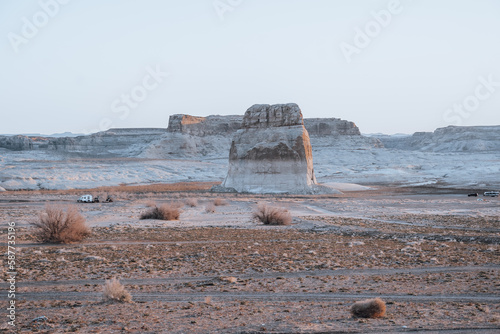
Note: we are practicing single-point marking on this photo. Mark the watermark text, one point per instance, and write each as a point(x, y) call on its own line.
point(126, 102)
point(31, 26)
point(11, 273)
point(364, 36)
point(461, 111)
point(221, 7)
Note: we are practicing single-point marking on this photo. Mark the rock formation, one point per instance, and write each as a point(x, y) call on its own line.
point(16, 143)
point(330, 127)
point(186, 137)
point(204, 126)
point(449, 139)
point(271, 153)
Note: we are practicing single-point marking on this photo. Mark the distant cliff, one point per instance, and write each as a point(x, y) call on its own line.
point(330, 127)
point(449, 139)
point(204, 126)
point(114, 142)
point(16, 143)
point(192, 136)
point(225, 125)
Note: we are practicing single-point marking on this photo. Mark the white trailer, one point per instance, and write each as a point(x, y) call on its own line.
point(86, 199)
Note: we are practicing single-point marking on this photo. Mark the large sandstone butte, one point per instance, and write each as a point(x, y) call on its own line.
point(271, 153)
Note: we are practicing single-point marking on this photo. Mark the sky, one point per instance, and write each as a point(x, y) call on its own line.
point(389, 66)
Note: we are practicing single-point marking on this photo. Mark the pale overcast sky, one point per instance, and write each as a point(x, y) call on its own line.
point(390, 66)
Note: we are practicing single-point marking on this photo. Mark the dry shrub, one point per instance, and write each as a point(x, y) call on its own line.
point(369, 308)
point(57, 226)
point(115, 291)
point(192, 202)
point(219, 202)
point(177, 205)
point(163, 212)
point(150, 204)
point(272, 216)
point(210, 208)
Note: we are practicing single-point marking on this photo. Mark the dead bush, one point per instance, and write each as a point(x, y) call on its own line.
point(210, 208)
point(115, 291)
point(369, 308)
point(272, 216)
point(219, 202)
point(163, 212)
point(192, 202)
point(57, 225)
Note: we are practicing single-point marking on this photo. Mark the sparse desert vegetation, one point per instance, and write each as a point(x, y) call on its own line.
point(192, 202)
point(113, 291)
point(435, 271)
point(59, 224)
point(220, 202)
point(269, 215)
point(169, 211)
point(210, 208)
point(369, 308)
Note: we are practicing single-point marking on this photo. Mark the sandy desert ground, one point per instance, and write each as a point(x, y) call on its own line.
point(431, 255)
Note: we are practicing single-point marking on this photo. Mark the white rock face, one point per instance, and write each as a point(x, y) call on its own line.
point(272, 152)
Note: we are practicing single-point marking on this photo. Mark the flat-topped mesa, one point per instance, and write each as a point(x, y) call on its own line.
point(177, 122)
point(330, 127)
point(260, 116)
point(271, 153)
point(214, 125)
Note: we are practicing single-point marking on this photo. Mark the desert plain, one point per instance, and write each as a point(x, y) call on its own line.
point(431, 254)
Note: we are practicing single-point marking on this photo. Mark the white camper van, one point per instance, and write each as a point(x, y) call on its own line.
point(86, 199)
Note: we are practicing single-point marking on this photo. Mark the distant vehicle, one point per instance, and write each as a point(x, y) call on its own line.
point(91, 199)
point(473, 195)
point(86, 199)
point(491, 193)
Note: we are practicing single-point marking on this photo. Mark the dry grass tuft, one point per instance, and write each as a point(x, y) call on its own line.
point(163, 212)
point(150, 204)
point(219, 202)
point(115, 291)
point(210, 208)
point(57, 226)
point(369, 308)
point(272, 216)
point(192, 202)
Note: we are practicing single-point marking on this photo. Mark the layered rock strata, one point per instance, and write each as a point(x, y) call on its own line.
point(449, 139)
point(271, 153)
point(204, 126)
